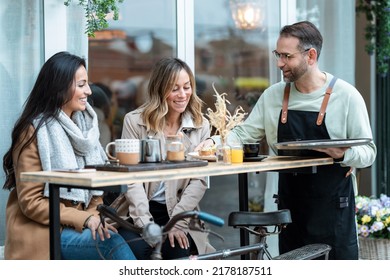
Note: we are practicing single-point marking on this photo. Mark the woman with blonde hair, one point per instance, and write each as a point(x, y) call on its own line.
point(172, 108)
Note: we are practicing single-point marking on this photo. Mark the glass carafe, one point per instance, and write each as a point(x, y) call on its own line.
point(174, 148)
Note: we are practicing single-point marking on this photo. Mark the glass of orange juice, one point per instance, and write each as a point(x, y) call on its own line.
point(237, 153)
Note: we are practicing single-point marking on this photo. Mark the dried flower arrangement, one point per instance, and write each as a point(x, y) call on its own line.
point(221, 118)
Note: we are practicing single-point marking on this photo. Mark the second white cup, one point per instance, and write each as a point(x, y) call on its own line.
point(127, 151)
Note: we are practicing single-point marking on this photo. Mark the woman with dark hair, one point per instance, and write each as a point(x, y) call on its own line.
point(57, 129)
point(172, 108)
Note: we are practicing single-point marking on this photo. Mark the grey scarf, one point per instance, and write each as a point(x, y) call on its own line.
point(71, 143)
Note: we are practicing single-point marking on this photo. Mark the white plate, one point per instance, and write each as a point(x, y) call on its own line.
point(197, 156)
point(323, 143)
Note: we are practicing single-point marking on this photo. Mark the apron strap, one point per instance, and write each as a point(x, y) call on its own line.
point(324, 104)
point(285, 103)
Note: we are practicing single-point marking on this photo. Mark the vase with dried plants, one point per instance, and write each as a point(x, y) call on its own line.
point(223, 121)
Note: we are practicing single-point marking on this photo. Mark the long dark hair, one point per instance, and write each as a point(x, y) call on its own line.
point(50, 92)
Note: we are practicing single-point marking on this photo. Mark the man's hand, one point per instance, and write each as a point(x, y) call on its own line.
point(204, 144)
point(335, 153)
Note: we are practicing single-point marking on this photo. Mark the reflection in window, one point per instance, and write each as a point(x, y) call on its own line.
point(236, 60)
point(122, 56)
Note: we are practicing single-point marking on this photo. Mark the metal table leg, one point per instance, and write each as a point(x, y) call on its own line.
point(54, 216)
point(243, 206)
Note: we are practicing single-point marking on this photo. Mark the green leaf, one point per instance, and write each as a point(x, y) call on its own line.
point(377, 31)
point(96, 12)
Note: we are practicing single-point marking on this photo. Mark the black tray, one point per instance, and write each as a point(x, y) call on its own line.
point(148, 166)
point(321, 143)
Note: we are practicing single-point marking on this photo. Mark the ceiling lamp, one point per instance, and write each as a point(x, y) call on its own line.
point(246, 14)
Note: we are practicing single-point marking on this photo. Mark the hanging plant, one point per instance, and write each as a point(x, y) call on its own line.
point(96, 13)
point(377, 34)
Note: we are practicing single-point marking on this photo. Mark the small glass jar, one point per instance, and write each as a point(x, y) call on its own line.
point(224, 154)
point(174, 148)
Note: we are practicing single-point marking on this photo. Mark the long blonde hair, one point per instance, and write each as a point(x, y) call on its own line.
point(162, 80)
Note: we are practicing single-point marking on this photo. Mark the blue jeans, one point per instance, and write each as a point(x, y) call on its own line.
point(81, 246)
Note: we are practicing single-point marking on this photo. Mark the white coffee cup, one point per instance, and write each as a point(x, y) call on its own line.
point(127, 151)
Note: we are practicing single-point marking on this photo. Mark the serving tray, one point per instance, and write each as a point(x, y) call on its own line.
point(322, 143)
point(148, 166)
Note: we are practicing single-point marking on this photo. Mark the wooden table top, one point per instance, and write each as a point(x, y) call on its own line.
point(109, 178)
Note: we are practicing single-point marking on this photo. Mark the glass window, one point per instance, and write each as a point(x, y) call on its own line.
point(122, 56)
point(235, 57)
point(233, 49)
point(20, 59)
point(327, 16)
point(32, 31)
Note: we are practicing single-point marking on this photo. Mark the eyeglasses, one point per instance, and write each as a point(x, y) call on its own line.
point(286, 56)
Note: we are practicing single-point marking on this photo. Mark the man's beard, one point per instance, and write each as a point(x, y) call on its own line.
point(295, 73)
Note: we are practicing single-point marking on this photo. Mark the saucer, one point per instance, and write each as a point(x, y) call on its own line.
point(197, 156)
point(258, 158)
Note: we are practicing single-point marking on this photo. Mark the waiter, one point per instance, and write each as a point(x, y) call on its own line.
point(311, 104)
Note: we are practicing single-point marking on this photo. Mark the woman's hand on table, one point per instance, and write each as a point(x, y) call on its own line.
point(95, 225)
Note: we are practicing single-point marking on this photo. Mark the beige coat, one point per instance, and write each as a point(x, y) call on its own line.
point(27, 212)
point(180, 195)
